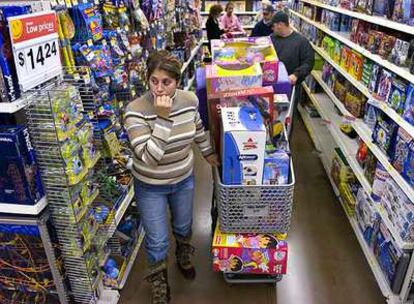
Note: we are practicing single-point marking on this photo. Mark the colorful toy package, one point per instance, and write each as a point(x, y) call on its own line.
point(249, 253)
point(378, 187)
point(384, 84)
point(356, 64)
point(20, 181)
point(408, 172)
point(248, 50)
point(88, 22)
point(397, 97)
point(367, 217)
point(276, 168)
point(409, 105)
point(374, 79)
point(220, 79)
point(384, 133)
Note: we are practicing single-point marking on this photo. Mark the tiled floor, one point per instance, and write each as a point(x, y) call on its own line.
point(326, 264)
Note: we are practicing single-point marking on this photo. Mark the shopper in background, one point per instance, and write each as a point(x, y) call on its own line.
point(264, 26)
point(229, 21)
point(162, 125)
point(259, 14)
point(213, 25)
point(293, 49)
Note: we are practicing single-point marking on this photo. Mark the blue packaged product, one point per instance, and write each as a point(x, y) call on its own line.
point(367, 217)
point(276, 168)
point(409, 105)
point(384, 133)
point(408, 171)
point(400, 149)
point(397, 96)
point(345, 24)
point(20, 181)
point(371, 116)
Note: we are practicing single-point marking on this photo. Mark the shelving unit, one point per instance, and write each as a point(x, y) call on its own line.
point(236, 13)
point(24, 209)
point(124, 206)
point(324, 105)
point(190, 84)
point(401, 27)
point(362, 88)
point(193, 54)
point(344, 38)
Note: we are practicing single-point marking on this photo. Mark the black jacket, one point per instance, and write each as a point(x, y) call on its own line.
point(213, 29)
point(261, 29)
point(296, 53)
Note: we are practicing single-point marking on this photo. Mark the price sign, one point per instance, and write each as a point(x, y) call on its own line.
point(35, 48)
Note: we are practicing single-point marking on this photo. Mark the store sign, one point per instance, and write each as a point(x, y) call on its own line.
point(35, 48)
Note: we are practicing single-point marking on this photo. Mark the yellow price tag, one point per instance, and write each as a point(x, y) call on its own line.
point(68, 3)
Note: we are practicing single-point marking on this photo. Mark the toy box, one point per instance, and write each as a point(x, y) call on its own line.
point(400, 149)
point(248, 50)
point(367, 217)
point(340, 170)
point(409, 105)
point(283, 86)
point(400, 210)
point(374, 79)
point(392, 260)
point(249, 253)
point(378, 187)
point(276, 168)
point(356, 63)
point(20, 181)
point(220, 79)
point(243, 148)
point(397, 96)
point(262, 97)
point(384, 133)
point(408, 171)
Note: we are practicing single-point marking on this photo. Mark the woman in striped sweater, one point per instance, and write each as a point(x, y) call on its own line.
point(162, 126)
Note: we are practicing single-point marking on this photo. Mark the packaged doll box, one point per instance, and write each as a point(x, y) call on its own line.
point(248, 51)
point(222, 79)
point(249, 253)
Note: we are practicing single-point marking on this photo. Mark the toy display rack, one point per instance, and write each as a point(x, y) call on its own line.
point(83, 285)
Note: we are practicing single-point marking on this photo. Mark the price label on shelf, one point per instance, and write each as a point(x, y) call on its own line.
point(35, 48)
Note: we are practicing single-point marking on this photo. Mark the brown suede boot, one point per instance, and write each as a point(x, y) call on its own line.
point(184, 252)
point(160, 289)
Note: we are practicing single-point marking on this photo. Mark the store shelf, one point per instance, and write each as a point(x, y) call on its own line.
point(13, 107)
point(361, 87)
point(401, 27)
point(344, 38)
point(124, 206)
point(193, 54)
point(350, 153)
point(24, 209)
point(190, 83)
point(131, 260)
point(319, 136)
point(246, 27)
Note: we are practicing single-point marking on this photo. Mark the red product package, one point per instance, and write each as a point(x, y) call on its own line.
point(356, 65)
point(374, 41)
point(249, 253)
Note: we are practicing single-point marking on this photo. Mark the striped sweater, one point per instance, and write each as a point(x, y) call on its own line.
point(163, 147)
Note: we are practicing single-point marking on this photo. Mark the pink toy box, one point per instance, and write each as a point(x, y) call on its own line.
point(249, 253)
point(221, 79)
point(248, 50)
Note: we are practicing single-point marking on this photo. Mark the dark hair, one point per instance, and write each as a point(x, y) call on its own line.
point(164, 60)
point(239, 264)
point(215, 10)
point(272, 241)
point(281, 16)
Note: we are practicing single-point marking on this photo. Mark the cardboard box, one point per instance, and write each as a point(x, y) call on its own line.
point(220, 79)
point(20, 181)
point(249, 253)
point(251, 49)
point(263, 96)
point(243, 148)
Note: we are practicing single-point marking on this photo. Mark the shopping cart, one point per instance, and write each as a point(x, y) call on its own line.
point(252, 208)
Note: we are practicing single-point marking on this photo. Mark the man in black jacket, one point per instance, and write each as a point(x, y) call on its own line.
point(293, 49)
point(264, 26)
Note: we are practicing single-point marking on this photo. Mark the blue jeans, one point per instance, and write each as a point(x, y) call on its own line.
point(152, 202)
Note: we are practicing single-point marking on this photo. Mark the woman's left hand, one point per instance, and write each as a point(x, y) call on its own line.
point(213, 160)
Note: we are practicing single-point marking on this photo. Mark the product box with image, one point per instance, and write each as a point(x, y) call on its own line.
point(248, 50)
point(249, 253)
point(243, 145)
point(262, 97)
point(20, 181)
point(221, 79)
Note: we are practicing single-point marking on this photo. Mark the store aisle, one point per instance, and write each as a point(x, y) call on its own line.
point(326, 264)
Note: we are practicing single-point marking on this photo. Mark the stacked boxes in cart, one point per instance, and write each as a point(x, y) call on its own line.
point(248, 132)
